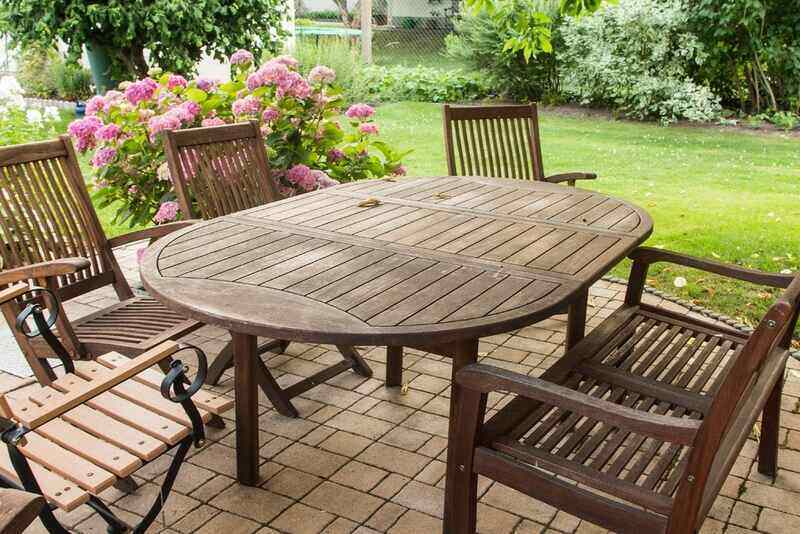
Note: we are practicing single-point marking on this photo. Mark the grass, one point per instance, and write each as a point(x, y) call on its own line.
point(713, 193)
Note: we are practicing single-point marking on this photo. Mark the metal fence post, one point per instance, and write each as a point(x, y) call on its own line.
point(366, 30)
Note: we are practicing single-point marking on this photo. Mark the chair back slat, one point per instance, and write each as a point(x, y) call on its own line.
point(497, 141)
point(46, 214)
point(220, 170)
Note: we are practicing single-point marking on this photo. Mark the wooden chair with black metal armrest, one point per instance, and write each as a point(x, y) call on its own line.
point(220, 170)
point(499, 141)
point(99, 423)
point(50, 235)
point(638, 426)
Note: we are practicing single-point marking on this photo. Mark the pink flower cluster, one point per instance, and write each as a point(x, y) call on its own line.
point(309, 179)
point(95, 104)
point(322, 74)
point(167, 212)
point(83, 131)
point(173, 119)
point(142, 90)
point(205, 84)
point(103, 156)
point(241, 57)
point(277, 72)
point(248, 105)
point(360, 111)
point(109, 132)
point(176, 80)
point(368, 128)
point(270, 114)
point(212, 121)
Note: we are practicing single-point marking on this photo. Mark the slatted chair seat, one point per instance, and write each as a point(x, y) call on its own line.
point(94, 428)
point(637, 426)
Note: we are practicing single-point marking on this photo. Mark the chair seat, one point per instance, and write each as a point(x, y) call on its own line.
point(131, 327)
point(91, 447)
point(652, 361)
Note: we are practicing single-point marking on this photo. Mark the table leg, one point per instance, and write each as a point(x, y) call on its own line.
point(245, 352)
point(394, 366)
point(576, 319)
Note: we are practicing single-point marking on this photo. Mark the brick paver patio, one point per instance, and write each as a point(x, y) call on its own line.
point(363, 458)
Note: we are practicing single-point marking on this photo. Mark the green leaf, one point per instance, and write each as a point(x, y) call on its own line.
point(196, 95)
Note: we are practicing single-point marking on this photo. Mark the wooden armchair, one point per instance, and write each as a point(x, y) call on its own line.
point(50, 235)
point(636, 428)
point(220, 170)
point(98, 424)
point(498, 141)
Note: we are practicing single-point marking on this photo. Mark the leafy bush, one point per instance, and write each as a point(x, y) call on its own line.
point(480, 40)
point(328, 15)
point(338, 53)
point(637, 57)
point(44, 73)
point(306, 145)
point(23, 123)
point(421, 84)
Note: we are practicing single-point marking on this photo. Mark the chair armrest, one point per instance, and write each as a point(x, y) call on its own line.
point(570, 177)
point(152, 233)
point(18, 509)
point(10, 293)
point(33, 419)
point(648, 256)
point(486, 379)
point(43, 270)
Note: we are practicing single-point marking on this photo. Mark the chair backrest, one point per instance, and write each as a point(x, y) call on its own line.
point(46, 214)
point(218, 170)
point(747, 384)
point(497, 141)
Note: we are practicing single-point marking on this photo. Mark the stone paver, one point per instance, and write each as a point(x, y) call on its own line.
point(366, 459)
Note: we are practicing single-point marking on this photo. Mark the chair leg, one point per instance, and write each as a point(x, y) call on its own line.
point(576, 320)
point(394, 366)
point(770, 428)
point(461, 486)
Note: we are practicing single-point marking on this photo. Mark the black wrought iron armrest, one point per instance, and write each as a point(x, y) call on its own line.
point(45, 269)
point(645, 256)
point(153, 233)
point(486, 379)
point(570, 177)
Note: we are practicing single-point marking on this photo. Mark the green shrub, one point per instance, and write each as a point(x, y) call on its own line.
point(44, 73)
point(637, 57)
point(785, 120)
point(480, 41)
point(420, 84)
point(328, 14)
point(338, 53)
point(23, 123)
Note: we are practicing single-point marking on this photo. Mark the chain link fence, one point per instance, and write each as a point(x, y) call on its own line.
point(8, 64)
point(404, 32)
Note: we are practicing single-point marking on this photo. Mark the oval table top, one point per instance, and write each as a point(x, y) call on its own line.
point(449, 257)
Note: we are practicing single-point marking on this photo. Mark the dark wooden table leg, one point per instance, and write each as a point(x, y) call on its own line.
point(280, 400)
point(576, 319)
point(360, 366)
point(394, 366)
point(244, 354)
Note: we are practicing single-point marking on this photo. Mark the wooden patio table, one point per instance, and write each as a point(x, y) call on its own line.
point(429, 263)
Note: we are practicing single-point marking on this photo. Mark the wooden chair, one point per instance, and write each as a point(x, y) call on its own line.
point(637, 427)
point(96, 426)
point(18, 509)
point(498, 141)
point(51, 236)
point(220, 170)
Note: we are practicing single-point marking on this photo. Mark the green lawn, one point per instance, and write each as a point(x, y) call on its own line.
point(730, 195)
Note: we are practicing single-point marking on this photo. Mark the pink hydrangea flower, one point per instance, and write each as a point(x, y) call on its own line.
point(400, 170)
point(241, 57)
point(162, 123)
point(360, 111)
point(103, 156)
point(302, 176)
point(176, 80)
point(323, 180)
point(368, 128)
point(289, 61)
point(142, 90)
point(246, 106)
point(109, 132)
point(272, 72)
point(212, 121)
point(95, 104)
point(83, 130)
point(255, 80)
point(167, 212)
point(322, 74)
point(335, 155)
point(205, 84)
point(186, 111)
point(270, 114)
